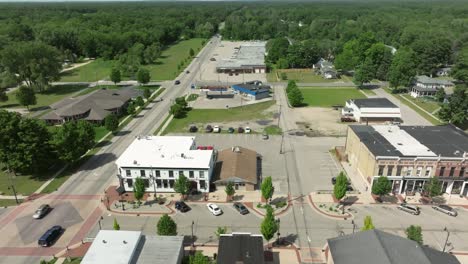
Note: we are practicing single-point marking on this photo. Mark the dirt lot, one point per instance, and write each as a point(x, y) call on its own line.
point(222, 103)
point(317, 121)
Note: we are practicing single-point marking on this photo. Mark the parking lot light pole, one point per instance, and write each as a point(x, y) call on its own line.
point(99, 222)
point(446, 239)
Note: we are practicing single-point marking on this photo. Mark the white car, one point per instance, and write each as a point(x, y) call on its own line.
point(214, 209)
point(247, 130)
point(216, 129)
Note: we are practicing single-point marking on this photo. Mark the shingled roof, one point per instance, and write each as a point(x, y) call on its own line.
point(238, 164)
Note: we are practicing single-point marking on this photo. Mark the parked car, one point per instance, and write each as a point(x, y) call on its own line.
point(42, 211)
point(182, 207)
point(333, 180)
point(216, 129)
point(209, 129)
point(231, 130)
point(177, 82)
point(247, 130)
point(409, 208)
point(445, 209)
point(50, 236)
point(240, 130)
point(214, 209)
point(241, 208)
point(187, 71)
point(265, 136)
point(212, 59)
point(193, 129)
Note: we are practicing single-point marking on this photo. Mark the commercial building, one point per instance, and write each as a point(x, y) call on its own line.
point(410, 155)
point(128, 247)
point(247, 58)
point(426, 86)
point(375, 246)
point(254, 90)
point(159, 161)
point(371, 110)
point(240, 248)
point(238, 166)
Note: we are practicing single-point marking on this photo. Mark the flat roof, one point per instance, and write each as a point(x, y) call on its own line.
point(373, 103)
point(111, 246)
point(159, 250)
point(248, 55)
point(165, 152)
point(240, 248)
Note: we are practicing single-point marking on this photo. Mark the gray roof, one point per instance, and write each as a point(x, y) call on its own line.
point(159, 250)
point(428, 80)
point(375, 142)
point(323, 63)
point(240, 248)
point(248, 55)
point(374, 103)
point(376, 246)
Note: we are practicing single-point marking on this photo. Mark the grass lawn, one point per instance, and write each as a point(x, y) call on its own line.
point(8, 202)
point(327, 97)
point(424, 103)
point(96, 70)
point(52, 95)
point(100, 131)
point(24, 184)
point(368, 91)
point(192, 97)
point(273, 130)
point(204, 116)
point(303, 76)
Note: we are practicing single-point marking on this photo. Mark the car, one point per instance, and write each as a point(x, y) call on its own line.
point(193, 129)
point(247, 130)
point(240, 130)
point(216, 129)
point(333, 180)
point(241, 208)
point(187, 71)
point(231, 130)
point(445, 209)
point(181, 206)
point(214, 209)
point(42, 211)
point(50, 236)
point(209, 129)
point(265, 136)
point(409, 208)
point(212, 59)
point(349, 188)
point(177, 82)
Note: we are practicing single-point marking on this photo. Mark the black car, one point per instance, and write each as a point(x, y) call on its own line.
point(231, 130)
point(181, 206)
point(240, 130)
point(241, 208)
point(193, 129)
point(209, 129)
point(187, 72)
point(177, 82)
point(50, 236)
point(333, 180)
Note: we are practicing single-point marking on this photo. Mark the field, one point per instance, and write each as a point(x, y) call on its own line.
point(24, 184)
point(426, 104)
point(327, 97)
point(303, 76)
point(96, 70)
point(204, 116)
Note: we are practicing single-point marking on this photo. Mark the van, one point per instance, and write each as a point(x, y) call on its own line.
point(50, 236)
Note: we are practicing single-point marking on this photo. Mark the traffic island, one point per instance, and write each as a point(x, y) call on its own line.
point(329, 208)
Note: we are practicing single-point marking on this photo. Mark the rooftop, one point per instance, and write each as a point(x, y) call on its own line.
point(375, 246)
point(165, 152)
point(242, 248)
point(428, 80)
point(238, 164)
point(373, 103)
point(168, 250)
point(248, 54)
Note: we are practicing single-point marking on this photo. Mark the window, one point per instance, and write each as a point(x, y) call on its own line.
point(419, 171)
point(171, 174)
point(202, 185)
point(202, 174)
point(442, 170)
point(181, 173)
point(462, 172)
point(191, 174)
point(146, 181)
point(142, 173)
point(381, 168)
point(428, 171)
point(409, 171)
point(129, 174)
point(158, 183)
point(389, 170)
point(171, 183)
point(398, 171)
point(158, 173)
point(130, 183)
point(452, 171)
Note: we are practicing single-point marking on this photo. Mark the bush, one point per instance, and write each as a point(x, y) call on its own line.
point(284, 76)
point(280, 204)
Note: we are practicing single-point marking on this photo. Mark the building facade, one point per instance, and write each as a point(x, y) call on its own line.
point(159, 161)
point(254, 90)
point(371, 110)
point(426, 86)
point(410, 155)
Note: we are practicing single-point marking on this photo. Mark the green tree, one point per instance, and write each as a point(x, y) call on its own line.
point(456, 110)
point(131, 108)
point(166, 226)
point(339, 190)
point(199, 258)
point(269, 226)
point(267, 188)
point(276, 50)
point(381, 186)
point(116, 225)
point(73, 139)
point(354, 51)
point(440, 95)
point(139, 189)
point(460, 69)
point(182, 185)
point(191, 52)
point(152, 53)
point(403, 68)
point(295, 97)
point(434, 187)
point(26, 96)
point(220, 231)
point(3, 95)
point(282, 63)
point(115, 75)
point(291, 85)
point(182, 102)
point(414, 233)
point(363, 73)
point(147, 93)
point(143, 76)
point(139, 101)
point(111, 122)
point(368, 225)
point(377, 61)
point(229, 189)
point(177, 110)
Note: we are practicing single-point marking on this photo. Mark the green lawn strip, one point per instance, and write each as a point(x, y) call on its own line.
point(327, 97)
point(273, 130)
point(426, 104)
point(8, 202)
point(96, 70)
point(368, 91)
point(100, 131)
point(304, 76)
point(162, 125)
point(271, 76)
point(192, 97)
point(50, 96)
point(205, 116)
point(73, 261)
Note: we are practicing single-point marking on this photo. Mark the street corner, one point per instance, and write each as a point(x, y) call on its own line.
point(326, 207)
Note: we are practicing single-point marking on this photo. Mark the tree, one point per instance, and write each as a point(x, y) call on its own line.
point(229, 190)
point(152, 53)
point(3, 95)
point(354, 51)
point(368, 225)
point(363, 73)
point(403, 68)
point(460, 69)
point(143, 76)
point(131, 108)
point(377, 61)
point(191, 52)
point(382, 186)
point(115, 76)
point(116, 225)
point(182, 102)
point(111, 122)
point(26, 96)
point(73, 139)
point(282, 63)
point(276, 50)
point(139, 189)
point(182, 185)
point(166, 226)
point(146, 93)
point(414, 233)
point(139, 101)
point(456, 110)
point(269, 226)
point(177, 110)
point(339, 190)
point(199, 258)
point(434, 187)
point(267, 188)
point(440, 95)
point(295, 97)
point(220, 231)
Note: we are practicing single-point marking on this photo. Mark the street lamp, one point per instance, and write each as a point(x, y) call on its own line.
point(354, 225)
point(193, 242)
point(99, 222)
point(446, 239)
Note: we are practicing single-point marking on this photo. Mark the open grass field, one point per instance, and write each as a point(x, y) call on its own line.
point(329, 96)
point(204, 116)
point(302, 76)
point(96, 70)
point(424, 103)
point(52, 95)
point(24, 184)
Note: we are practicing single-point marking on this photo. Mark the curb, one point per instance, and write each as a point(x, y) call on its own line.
point(143, 213)
point(347, 215)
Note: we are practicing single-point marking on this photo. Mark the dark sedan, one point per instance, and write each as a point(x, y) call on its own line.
point(241, 208)
point(182, 207)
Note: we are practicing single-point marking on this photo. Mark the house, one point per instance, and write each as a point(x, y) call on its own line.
point(444, 71)
point(240, 248)
point(128, 247)
point(326, 69)
point(371, 110)
point(426, 86)
point(376, 246)
point(93, 107)
point(248, 58)
point(254, 90)
point(159, 161)
point(409, 155)
point(237, 165)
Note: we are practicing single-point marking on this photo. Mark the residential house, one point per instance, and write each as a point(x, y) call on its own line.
point(371, 110)
point(326, 69)
point(426, 86)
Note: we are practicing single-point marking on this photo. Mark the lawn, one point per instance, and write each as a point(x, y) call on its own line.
point(425, 103)
point(50, 96)
point(204, 116)
point(273, 130)
point(303, 76)
point(8, 202)
point(327, 97)
point(368, 91)
point(96, 70)
point(100, 131)
point(24, 184)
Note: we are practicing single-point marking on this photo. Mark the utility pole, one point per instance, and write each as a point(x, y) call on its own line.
point(446, 239)
point(193, 242)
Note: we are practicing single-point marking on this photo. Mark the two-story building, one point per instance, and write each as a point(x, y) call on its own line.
point(159, 161)
point(371, 110)
point(410, 155)
point(426, 86)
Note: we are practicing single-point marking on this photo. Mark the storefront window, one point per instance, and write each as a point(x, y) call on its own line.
point(457, 185)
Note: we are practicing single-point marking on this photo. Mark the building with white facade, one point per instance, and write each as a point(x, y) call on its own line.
point(159, 161)
point(426, 86)
point(371, 110)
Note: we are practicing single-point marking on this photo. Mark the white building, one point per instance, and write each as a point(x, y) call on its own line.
point(371, 110)
point(160, 160)
point(426, 86)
